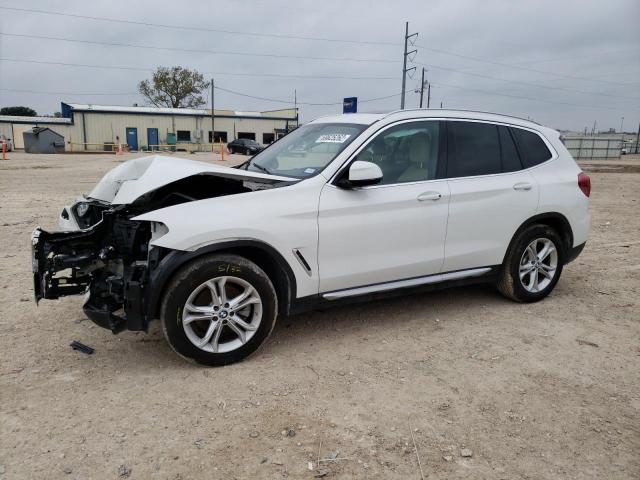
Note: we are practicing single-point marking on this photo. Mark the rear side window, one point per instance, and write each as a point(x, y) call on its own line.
point(532, 148)
point(474, 149)
point(510, 157)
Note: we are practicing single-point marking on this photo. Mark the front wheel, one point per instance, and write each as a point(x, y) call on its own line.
point(218, 309)
point(533, 264)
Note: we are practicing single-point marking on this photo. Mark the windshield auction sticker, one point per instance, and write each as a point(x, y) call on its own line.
point(333, 138)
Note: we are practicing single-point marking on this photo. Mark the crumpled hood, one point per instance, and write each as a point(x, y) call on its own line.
point(134, 178)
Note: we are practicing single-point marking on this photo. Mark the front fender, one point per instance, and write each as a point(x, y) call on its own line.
point(285, 219)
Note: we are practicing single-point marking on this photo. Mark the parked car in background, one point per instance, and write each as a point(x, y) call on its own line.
point(345, 208)
point(245, 146)
point(7, 142)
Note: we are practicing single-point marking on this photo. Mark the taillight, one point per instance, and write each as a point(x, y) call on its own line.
point(584, 183)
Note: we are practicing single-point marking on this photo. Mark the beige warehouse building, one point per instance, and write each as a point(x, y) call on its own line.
point(98, 127)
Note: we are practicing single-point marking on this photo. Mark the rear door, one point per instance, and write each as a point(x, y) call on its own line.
point(491, 194)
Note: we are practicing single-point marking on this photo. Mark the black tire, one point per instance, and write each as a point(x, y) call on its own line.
point(194, 274)
point(509, 282)
point(247, 152)
point(232, 150)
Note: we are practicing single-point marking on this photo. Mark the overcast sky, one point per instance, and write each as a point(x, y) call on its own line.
point(562, 63)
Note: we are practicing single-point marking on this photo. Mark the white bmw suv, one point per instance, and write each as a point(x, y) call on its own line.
point(344, 208)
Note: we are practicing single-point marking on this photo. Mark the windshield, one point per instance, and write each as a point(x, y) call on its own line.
point(305, 151)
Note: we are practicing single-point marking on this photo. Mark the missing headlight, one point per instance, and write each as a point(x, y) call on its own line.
point(82, 209)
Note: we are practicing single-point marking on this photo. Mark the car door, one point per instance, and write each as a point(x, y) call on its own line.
point(491, 194)
point(394, 230)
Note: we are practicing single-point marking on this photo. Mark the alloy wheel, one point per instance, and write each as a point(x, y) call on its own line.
point(222, 314)
point(538, 265)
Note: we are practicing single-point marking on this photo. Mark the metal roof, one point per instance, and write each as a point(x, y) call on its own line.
point(20, 119)
point(85, 107)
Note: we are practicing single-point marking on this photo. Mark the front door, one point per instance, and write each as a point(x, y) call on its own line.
point(391, 231)
point(152, 137)
point(132, 138)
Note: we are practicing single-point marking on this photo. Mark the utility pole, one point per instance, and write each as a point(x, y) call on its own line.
point(638, 139)
point(295, 104)
point(404, 62)
point(213, 130)
point(422, 87)
point(428, 95)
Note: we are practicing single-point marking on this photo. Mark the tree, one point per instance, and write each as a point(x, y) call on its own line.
point(18, 111)
point(174, 87)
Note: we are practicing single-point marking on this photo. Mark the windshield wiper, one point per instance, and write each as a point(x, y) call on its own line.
point(260, 167)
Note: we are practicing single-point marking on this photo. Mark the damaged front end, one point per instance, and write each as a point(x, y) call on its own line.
point(106, 255)
point(109, 261)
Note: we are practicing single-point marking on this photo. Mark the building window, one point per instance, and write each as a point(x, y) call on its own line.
point(218, 136)
point(248, 135)
point(184, 136)
point(268, 138)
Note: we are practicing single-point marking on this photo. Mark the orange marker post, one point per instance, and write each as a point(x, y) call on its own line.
point(221, 150)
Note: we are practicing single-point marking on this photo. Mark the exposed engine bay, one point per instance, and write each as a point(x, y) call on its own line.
point(106, 255)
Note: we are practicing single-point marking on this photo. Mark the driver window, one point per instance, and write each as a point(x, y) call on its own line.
point(405, 153)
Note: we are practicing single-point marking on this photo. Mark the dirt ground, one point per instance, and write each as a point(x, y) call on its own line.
point(459, 384)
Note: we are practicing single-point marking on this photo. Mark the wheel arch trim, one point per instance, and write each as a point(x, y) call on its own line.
point(557, 218)
point(175, 259)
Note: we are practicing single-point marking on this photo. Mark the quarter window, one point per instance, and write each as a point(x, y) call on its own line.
point(474, 149)
point(532, 148)
point(405, 153)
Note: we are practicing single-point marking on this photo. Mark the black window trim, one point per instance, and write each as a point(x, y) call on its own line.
point(552, 150)
point(442, 162)
point(442, 154)
point(515, 144)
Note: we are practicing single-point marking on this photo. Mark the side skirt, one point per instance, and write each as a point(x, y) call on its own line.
point(395, 289)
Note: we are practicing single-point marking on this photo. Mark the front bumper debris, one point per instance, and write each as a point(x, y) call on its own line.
point(106, 261)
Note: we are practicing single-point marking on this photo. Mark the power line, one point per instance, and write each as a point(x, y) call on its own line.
point(193, 50)
point(233, 92)
point(201, 29)
point(518, 67)
point(239, 74)
point(430, 65)
point(304, 103)
point(76, 94)
point(300, 37)
point(309, 77)
point(602, 107)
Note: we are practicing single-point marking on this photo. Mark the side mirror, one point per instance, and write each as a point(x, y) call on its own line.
point(361, 174)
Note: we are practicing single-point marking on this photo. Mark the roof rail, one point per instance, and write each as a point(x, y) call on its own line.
point(461, 110)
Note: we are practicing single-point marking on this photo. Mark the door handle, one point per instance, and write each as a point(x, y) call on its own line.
point(523, 186)
point(429, 196)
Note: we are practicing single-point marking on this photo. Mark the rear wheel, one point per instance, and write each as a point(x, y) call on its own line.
point(218, 309)
point(533, 264)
